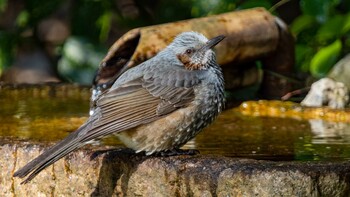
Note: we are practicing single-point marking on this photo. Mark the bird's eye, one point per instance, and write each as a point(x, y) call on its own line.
point(189, 51)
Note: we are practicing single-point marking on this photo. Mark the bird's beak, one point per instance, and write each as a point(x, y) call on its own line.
point(213, 42)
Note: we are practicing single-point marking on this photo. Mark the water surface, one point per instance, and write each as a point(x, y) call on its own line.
point(49, 113)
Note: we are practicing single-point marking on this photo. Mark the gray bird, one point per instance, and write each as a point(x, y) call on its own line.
point(154, 107)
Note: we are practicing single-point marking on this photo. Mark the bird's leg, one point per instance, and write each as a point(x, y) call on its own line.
point(177, 151)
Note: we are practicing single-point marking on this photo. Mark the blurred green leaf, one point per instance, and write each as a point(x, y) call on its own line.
point(347, 42)
point(322, 22)
point(303, 54)
point(318, 8)
point(168, 11)
point(84, 18)
point(7, 41)
point(206, 8)
point(301, 23)
point(331, 29)
point(22, 18)
point(39, 9)
point(346, 25)
point(3, 5)
point(255, 3)
point(325, 58)
point(104, 23)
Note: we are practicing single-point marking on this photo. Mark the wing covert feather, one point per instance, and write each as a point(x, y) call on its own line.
point(142, 100)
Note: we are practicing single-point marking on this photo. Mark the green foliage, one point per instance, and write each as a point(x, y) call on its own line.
point(206, 8)
point(3, 4)
point(331, 29)
point(92, 19)
point(322, 30)
point(322, 35)
point(320, 9)
point(6, 49)
point(255, 3)
point(104, 22)
point(168, 11)
point(302, 23)
point(38, 9)
point(22, 19)
point(324, 59)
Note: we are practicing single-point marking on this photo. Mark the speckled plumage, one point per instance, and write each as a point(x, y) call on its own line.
point(157, 106)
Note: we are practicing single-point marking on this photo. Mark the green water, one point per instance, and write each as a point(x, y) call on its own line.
point(42, 113)
point(48, 113)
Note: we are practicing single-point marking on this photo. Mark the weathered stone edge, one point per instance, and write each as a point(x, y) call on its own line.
point(125, 173)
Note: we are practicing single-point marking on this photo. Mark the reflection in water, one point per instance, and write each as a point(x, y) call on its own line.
point(330, 132)
point(23, 119)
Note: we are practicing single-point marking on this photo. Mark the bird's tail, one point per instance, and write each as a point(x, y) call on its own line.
point(50, 156)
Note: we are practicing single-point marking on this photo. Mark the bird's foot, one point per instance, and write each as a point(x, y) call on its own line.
point(176, 152)
point(102, 152)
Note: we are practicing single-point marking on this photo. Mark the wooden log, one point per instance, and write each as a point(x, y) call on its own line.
point(250, 35)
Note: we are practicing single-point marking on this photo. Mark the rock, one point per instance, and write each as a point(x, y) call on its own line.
point(333, 90)
point(341, 70)
point(88, 172)
point(327, 92)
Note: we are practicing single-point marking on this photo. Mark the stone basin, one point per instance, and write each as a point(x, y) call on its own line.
point(240, 155)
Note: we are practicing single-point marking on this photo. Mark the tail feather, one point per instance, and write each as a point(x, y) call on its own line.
point(61, 149)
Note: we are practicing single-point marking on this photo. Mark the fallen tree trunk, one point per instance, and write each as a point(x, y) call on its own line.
point(250, 35)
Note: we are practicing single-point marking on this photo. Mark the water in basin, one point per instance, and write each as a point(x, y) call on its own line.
point(47, 113)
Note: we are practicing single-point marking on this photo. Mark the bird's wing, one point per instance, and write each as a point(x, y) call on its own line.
point(133, 103)
point(140, 101)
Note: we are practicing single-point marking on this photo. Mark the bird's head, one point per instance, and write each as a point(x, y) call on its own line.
point(194, 50)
